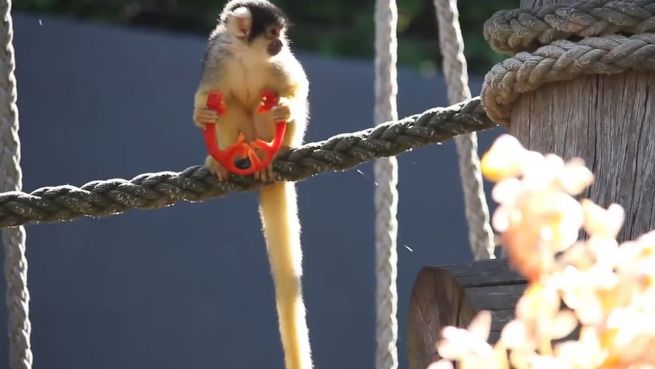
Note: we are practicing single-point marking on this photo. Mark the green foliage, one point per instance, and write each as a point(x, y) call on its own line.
point(329, 27)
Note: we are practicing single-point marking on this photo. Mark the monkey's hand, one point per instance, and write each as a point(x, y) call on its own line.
point(202, 116)
point(281, 111)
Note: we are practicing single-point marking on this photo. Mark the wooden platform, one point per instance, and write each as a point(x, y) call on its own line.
point(451, 295)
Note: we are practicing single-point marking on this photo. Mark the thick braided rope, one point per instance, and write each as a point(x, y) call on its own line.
point(511, 31)
point(157, 190)
point(15, 262)
point(481, 237)
point(563, 60)
point(386, 194)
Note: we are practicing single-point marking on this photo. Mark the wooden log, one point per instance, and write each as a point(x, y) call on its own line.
point(437, 301)
point(452, 295)
point(484, 273)
point(605, 120)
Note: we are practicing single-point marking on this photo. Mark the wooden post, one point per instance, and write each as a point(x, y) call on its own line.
point(607, 121)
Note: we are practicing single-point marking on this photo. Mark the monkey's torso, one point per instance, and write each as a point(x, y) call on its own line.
point(247, 75)
point(243, 74)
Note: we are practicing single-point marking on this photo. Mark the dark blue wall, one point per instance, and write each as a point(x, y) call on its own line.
point(189, 286)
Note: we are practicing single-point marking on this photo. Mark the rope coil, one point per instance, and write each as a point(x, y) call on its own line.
point(511, 31)
point(563, 60)
point(523, 31)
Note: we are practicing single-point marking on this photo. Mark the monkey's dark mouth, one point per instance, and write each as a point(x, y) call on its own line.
point(274, 47)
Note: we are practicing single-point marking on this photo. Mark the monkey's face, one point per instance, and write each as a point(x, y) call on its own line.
point(272, 37)
point(259, 24)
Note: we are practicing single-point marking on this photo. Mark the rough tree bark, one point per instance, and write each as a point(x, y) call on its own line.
point(607, 121)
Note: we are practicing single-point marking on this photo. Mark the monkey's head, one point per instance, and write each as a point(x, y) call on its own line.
point(257, 23)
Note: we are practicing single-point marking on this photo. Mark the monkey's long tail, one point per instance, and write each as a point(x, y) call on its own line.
point(279, 213)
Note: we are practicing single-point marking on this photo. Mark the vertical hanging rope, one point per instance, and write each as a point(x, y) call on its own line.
point(15, 265)
point(481, 237)
point(386, 195)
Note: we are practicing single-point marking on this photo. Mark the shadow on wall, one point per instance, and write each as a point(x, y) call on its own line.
point(189, 286)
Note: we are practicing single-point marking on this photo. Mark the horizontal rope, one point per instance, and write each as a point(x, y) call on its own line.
point(511, 31)
point(157, 190)
point(563, 60)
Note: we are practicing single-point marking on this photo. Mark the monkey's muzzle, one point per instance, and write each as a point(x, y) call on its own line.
point(274, 47)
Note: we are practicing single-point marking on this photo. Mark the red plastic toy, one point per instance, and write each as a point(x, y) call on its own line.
point(242, 149)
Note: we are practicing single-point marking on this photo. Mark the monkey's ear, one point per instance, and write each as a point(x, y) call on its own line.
point(240, 12)
point(239, 21)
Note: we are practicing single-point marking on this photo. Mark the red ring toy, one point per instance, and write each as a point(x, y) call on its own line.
point(242, 149)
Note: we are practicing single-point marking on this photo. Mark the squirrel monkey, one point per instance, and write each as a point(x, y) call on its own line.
point(248, 52)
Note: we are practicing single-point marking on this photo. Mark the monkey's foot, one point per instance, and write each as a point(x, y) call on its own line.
point(216, 169)
point(202, 116)
point(281, 112)
point(265, 174)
